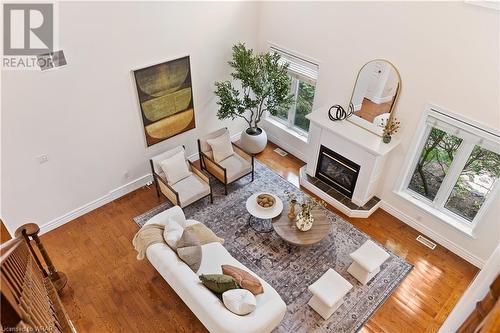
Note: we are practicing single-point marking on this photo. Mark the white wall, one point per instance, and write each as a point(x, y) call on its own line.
point(475, 293)
point(85, 116)
point(447, 54)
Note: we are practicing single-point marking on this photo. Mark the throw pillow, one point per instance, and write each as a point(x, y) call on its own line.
point(218, 283)
point(175, 168)
point(198, 234)
point(239, 301)
point(221, 147)
point(191, 255)
point(245, 279)
point(189, 251)
point(172, 233)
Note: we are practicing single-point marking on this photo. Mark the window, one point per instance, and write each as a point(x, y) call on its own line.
point(455, 169)
point(304, 74)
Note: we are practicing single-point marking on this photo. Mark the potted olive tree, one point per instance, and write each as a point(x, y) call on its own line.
point(264, 85)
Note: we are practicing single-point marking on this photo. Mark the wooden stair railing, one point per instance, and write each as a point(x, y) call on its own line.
point(30, 232)
point(29, 301)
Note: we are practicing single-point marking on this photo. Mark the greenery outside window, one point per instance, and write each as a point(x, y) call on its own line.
point(304, 75)
point(455, 171)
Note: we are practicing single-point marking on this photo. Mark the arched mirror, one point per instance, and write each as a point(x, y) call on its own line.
point(375, 95)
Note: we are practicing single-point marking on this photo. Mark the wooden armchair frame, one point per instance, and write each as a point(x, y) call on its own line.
point(162, 187)
point(218, 171)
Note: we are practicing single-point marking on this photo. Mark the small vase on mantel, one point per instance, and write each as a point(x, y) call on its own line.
point(386, 138)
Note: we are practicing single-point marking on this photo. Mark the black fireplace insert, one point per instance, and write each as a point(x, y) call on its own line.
point(337, 171)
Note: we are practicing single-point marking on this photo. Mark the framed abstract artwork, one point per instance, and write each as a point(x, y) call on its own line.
point(166, 98)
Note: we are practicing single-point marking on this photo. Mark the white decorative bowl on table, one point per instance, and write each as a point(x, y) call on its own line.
point(264, 212)
point(266, 200)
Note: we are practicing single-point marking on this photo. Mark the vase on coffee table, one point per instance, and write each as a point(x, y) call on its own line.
point(304, 221)
point(291, 211)
point(288, 231)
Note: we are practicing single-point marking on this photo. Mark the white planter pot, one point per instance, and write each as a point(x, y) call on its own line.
point(254, 143)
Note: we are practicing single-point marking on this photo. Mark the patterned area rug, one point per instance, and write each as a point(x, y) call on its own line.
point(291, 273)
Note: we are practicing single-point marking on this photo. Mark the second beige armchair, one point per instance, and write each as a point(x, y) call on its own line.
point(230, 168)
point(178, 179)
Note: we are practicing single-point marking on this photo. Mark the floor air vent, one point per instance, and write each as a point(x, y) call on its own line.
point(280, 152)
point(427, 242)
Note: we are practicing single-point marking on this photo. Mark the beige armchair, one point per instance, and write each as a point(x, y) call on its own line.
point(186, 191)
point(229, 170)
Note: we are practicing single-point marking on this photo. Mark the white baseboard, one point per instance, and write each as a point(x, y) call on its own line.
point(457, 249)
point(112, 195)
point(287, 147)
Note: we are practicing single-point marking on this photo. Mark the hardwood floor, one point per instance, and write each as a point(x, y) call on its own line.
point(109, 290)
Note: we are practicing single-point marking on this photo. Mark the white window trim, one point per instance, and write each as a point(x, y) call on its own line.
point(289, 123)
point(310, 76)
point(491, 4)
point(480, 135)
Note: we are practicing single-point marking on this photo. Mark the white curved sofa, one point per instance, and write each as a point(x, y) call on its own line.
point(205, 305)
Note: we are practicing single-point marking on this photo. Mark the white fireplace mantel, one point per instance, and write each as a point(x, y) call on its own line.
point(361, 137)
point(355, 143)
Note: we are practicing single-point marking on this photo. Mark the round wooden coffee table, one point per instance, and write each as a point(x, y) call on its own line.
point(289, 232)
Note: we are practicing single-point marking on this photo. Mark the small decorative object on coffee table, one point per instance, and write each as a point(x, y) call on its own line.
point(289, 232)
point(262, 213)
point(266, 200)
point(305, 218)
point(304, 221)
point(292, 201)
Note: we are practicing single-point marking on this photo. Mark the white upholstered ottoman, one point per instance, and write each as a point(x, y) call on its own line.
point(328, 293)
point(367, 261)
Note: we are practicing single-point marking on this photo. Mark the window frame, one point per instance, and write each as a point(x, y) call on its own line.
point(292, 111)
point(472, 133)
point(296, 77)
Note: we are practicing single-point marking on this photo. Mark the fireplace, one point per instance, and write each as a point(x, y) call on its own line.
point(337, 171)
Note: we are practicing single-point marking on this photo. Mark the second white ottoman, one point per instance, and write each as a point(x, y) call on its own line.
point(328, 293)
point(366, 261)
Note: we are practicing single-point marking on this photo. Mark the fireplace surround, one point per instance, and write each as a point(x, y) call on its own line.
point(344, 164)
point(337, 171)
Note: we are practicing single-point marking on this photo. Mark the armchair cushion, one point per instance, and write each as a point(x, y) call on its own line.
point(191, 189)
point(163, 156)
point(236, 167)
point(175, 168)
point(221, 147)
point(204, 146)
